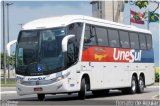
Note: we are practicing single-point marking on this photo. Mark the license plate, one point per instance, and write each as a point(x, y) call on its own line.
point(38, 89)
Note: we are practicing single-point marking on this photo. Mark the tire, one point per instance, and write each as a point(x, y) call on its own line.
point(41, 97)
point(100, 92)
point(141, 85)
point(133, 88)
point(83, 89)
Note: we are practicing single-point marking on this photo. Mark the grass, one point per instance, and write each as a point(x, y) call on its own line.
point(9, 83)
point(157, 74)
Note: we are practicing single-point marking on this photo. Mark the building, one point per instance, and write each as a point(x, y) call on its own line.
point(109, 10)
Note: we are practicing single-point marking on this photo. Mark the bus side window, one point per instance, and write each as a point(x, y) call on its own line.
point(134, 40)
point(90, 36)
point(149, 41)
point(113, 38)
point(124, 39)
point(102, 36)
point(142, 40)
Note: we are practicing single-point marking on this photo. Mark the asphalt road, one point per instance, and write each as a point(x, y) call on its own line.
point(115, 97)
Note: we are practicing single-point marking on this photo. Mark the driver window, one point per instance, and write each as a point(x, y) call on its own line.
point(48, 43)
point(70, 53)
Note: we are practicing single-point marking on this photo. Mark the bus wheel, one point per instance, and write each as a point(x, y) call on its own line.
point(133, 87)
point(141, 85)
point(41, 97)
point(83, 89)
point(100, 92)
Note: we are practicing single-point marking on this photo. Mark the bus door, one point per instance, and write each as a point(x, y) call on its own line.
point(96, 75)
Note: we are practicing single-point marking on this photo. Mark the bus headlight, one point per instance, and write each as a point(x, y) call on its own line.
point(60, 76)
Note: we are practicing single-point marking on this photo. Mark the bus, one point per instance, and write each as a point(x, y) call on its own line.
point(76, 54)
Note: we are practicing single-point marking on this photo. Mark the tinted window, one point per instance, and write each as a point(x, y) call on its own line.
point(90, 36)
point(75, 29)
point(142, 40)
point(102, 36)
point(149, 41)
point(71, 29)
point(134, 40)
point(113, 38)
point(124, 39)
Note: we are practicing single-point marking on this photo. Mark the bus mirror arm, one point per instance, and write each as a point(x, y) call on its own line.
point(65, 42)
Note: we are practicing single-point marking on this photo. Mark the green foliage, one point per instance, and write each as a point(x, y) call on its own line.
point(10, 83)
point(10, 60)
point(141, 3)
point(156, 77)
point(154, 17)
point(157, 74)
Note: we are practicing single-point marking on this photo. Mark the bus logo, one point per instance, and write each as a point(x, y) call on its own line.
point(129, 55)
point(99, 57)
point(39, 69)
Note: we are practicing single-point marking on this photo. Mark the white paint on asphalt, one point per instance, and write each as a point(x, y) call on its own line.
point(8, 92)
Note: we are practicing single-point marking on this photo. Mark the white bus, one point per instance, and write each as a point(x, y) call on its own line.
point(75, 53)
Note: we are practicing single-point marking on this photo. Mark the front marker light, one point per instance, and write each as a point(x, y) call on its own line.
point(18, 81)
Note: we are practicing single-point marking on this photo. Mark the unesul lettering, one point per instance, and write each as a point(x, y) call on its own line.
point(130, 56)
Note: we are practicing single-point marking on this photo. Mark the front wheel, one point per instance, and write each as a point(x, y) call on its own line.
point(41, 97)
point(83, 89)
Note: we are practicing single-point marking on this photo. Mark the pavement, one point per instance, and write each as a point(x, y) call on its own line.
point(115, 97)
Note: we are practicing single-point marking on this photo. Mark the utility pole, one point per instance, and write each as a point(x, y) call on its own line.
point(8, 4)
point(113, 10)
point(148, 21)
point(4, 43)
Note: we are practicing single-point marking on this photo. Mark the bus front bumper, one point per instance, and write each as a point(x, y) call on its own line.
point(53, 88)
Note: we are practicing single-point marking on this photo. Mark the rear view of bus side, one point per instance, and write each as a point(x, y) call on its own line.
point(80, 53)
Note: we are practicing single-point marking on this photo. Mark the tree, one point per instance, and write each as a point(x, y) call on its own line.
point(143, 3)
point(151, 15)
point(11, 62)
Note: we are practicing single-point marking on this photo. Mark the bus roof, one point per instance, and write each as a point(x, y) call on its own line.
point(62, 21)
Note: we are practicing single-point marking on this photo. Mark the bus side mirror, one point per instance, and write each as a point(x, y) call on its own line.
point(65, 42)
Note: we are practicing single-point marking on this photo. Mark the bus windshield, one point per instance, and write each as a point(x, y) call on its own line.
point(39, 52)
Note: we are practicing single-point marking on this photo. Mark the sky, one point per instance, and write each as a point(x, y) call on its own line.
point(22, 12)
